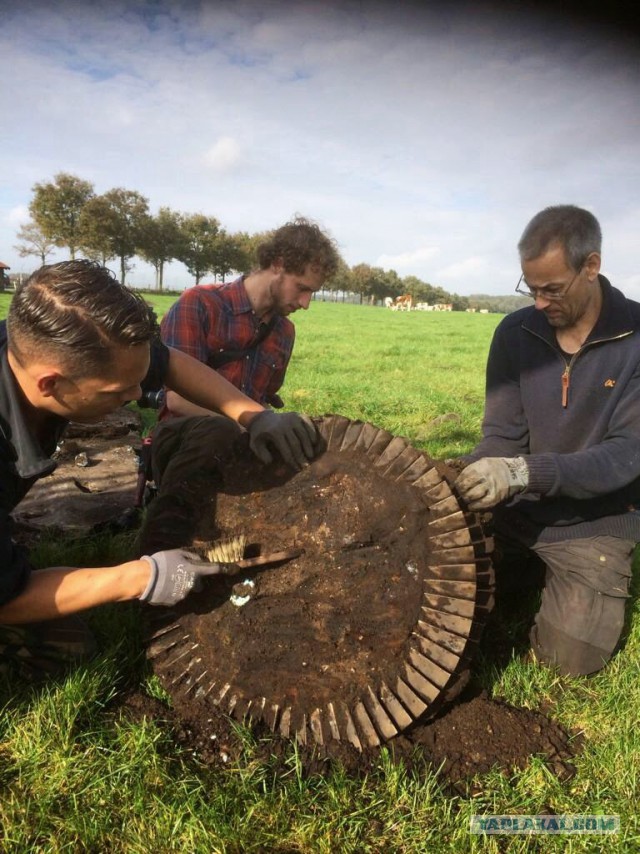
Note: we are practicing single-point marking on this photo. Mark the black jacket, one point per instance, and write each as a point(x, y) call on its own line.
point(24, 459)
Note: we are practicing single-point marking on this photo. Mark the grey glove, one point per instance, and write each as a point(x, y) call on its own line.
point(292, 435)
point(174, 574)
point(489, 481)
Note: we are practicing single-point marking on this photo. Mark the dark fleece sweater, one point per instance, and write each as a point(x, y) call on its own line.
point(575, 419)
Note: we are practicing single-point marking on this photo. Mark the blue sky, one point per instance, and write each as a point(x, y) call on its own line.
point(423, 137)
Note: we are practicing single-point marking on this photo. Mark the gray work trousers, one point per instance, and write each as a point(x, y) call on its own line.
point(584, 594)
point(186, 454)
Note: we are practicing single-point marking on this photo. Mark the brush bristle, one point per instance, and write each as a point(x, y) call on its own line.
point(227, 551)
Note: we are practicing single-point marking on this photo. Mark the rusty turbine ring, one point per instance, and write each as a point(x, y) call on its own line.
point(457, 596)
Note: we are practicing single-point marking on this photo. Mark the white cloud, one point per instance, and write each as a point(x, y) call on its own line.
point(224, 155)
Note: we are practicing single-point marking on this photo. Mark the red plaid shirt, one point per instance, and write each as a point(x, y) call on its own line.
point(211, 319)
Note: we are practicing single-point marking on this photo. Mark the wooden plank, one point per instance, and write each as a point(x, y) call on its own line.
point(450, 605)
point(367, 435)
point(378, 714)
point(402, 463)
point(432, 671)
point(442, 656)
point(167, 664)
point(454, 643)
point(450, 622)
point(429, 479)
point(394, 707)
point(349, 728)
point(380, 442)
point(393, 450)
point(451, 587)
point(339, 428)
point(301, 732)
point(420, 684)
point(451, 540)
point(437, 493)
point(315, 723)
point(415, 470)
point(454, 572)
point(272, 717)
point(351, 436)
point(334, 729)
point(445, 507)
point(157, 650)
point(366, 728)
point(444, 524)
point(285, 722)
point(461, 554)
point(411, 701)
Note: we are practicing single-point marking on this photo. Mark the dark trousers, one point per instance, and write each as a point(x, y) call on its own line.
point(585, 586)
point(36, 650)
point(186, 454)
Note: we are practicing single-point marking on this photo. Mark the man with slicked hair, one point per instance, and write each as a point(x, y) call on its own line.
point(77, 345)
point(559, 460)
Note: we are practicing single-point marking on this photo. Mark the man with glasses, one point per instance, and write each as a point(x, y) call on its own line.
point(559, 460)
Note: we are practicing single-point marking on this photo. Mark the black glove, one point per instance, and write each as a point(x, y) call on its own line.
point(292, 435)
point(174, 574)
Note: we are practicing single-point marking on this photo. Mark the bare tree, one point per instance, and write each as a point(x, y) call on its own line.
point(34, 242)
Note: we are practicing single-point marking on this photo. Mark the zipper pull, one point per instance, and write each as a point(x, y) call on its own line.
point(565, 388)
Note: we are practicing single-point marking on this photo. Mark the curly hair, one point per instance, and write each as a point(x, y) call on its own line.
point(78, 313)
point(297, 244)
point(575, 229)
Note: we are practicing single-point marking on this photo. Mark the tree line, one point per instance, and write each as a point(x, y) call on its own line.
point(118, 226)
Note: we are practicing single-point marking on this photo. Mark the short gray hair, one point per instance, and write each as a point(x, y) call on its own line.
point(575, 229)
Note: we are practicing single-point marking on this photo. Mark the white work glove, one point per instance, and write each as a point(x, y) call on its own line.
point(292, 435)
point(174, 574)
point(489, 481)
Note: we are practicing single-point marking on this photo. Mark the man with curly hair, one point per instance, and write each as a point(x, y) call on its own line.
point(243, 330)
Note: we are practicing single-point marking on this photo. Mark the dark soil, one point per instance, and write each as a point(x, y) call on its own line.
point(324, 626)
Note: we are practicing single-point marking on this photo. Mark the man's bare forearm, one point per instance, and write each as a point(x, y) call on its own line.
point(205, 388)
point(59, 591)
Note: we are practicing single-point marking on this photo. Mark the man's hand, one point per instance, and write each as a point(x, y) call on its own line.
point(294, 436)
point(489, 481)
point(174, 574)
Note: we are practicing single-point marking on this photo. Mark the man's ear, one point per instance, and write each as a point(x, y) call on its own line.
point(592, 265)
point(278, 266)
point(48, 383)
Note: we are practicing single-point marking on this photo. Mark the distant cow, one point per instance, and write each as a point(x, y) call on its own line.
point(402, 303)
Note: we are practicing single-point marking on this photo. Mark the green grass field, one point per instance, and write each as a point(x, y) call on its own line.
point(76, 777)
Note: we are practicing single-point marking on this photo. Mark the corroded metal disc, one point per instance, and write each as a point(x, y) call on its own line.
point(373, 628)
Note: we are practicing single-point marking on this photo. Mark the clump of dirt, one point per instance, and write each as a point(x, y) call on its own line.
point(474, 736)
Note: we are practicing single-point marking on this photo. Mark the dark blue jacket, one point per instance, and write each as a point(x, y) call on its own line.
point(576, 419)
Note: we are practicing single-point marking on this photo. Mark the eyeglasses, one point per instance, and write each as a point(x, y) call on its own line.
point(544, 292)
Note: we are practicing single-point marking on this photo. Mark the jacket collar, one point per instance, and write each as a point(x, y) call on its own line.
point(615, 317)
point(30, 459)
